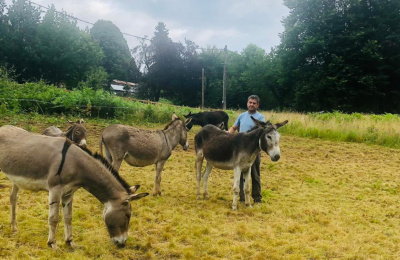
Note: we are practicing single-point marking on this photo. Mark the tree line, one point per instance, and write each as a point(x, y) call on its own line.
point(334, 55)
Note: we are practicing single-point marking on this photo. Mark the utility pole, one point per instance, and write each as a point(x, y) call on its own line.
point(224, 80)
point(202, 88)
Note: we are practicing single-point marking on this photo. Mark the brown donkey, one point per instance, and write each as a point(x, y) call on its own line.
point(36, 162)
point(76, 132)
point(139, 147)
point(235, 151)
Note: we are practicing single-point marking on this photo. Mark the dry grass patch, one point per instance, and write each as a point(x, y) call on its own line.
point(322, 200)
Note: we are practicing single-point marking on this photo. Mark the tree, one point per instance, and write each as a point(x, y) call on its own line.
point(339, 55)
point(260, 76)
point(20, 40)
point(67, 54)
point(164, 64)
point(4, 34)
point(118, 61)
point(212, 60)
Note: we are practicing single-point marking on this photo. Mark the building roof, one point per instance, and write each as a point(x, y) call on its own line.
point(120, 82)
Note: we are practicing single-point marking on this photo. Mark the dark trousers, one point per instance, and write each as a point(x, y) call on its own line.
point(255, 181)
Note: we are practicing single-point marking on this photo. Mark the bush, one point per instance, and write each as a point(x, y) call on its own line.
point(85, 102)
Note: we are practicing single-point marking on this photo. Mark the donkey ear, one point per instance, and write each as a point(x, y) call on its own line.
point(70, 122)
point(259, 123)
point(221, 125)
point(174, 116)
point(133, 189)
point(188, 124)
point(80, 121)
point(278, 125)
point(136, 196)
point(188, 120)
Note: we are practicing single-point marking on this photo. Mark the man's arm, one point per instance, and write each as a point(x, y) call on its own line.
point(232, 129)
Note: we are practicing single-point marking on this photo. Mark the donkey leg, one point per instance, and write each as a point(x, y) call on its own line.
point(199, 165)
point(236, 186)
point(205, 179)
point(13, 202)
point(67, 213)
point(107, 154)
point(54, 207)
point(116, 162)
point(157, 181)
point(246, 187)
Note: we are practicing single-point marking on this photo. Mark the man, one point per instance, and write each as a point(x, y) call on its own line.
point(243, 124)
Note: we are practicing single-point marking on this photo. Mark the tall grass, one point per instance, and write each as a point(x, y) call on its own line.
point(359, 128)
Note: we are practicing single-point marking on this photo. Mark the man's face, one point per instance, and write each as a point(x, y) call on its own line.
point(252, 105)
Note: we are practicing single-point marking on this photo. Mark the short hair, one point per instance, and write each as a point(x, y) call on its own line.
point(254, 97)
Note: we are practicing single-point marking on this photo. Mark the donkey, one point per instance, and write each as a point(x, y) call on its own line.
point(235, 151)
point(76, 132)
point(139, 147)
point(209, 117)
point(36, 162)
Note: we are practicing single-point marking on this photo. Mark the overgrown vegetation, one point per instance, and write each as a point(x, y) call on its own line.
point(86, 102)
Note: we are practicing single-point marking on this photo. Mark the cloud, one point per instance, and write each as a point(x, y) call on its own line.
point(246, 7)
point(207, 23)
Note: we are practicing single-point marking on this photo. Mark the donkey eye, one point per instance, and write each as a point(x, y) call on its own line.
point(269, 137)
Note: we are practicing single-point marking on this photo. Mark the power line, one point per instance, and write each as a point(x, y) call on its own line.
point(131, 35)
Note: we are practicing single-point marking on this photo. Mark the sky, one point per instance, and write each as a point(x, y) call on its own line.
point(208, 23)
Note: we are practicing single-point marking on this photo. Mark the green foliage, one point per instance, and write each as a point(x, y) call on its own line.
point(97, 78)
point(67, 53)
point(85, 102)
point(118, 61)
point(336, 55)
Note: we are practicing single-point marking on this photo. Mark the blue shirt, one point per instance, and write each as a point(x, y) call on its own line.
point(244, 122)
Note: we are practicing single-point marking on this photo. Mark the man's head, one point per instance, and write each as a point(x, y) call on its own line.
point(252, 103)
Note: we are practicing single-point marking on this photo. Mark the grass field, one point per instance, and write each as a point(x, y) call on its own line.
point(322, 200)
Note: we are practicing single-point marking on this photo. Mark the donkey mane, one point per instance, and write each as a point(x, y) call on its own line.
point(114, 172)
point(170, 123)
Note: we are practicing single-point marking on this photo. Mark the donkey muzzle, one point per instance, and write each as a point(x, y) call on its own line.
point(83, 143)
point(275, 157)
point(119, 241)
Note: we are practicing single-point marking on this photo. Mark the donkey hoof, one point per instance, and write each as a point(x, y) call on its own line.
point(234, 207)
point(206, 197)
point(157, 194)
point(14, 228)
point(52, 244)
point(198, 197)
point(70, 243)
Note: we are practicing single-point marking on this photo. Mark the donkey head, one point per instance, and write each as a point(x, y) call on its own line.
point(183, 132)
point(77, 133)
point(117, 214)
point(269, 140)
